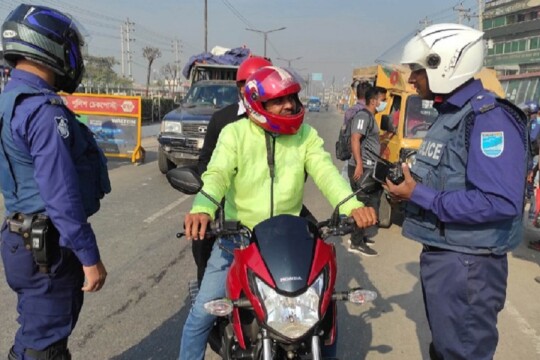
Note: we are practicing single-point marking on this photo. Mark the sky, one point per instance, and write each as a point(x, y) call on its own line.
point(330, 37)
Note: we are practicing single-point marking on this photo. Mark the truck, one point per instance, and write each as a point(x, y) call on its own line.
point(406, 118)
point(314, 104)
point(181, 137)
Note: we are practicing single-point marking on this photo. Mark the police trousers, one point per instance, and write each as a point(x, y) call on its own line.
point(463, 294)
point(48, 304)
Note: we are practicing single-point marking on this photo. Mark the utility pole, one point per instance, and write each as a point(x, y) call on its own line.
point(176, 49)
point(425, 22)
point(480, 14)
point(265, 33)
point(122, 48)
point(462, 12)
point(205, 25)
point(129, 29)
point(289, 61)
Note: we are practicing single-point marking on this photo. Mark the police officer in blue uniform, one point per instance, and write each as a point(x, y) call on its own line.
point(52, 177)
point(468, 207)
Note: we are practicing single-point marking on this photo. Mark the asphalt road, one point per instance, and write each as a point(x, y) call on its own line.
point(140, 311)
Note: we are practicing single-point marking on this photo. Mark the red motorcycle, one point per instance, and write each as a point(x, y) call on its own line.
point(280, 302)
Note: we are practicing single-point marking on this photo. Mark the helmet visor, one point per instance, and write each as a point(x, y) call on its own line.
point(410, 50)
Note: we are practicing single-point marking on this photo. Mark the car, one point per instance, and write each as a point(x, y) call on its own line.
point(182, 130)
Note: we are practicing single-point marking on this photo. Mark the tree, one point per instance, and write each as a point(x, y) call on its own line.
point(99, 73)
point(171, 73)
point(150, 54)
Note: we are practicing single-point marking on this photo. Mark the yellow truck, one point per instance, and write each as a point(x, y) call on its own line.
point(407, 114)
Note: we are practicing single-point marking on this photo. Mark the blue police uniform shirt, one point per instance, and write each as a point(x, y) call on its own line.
point(493, 192)
point(48, 140)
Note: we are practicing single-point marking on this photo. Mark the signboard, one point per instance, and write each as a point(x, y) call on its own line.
point(316, 76)
point(115, 120)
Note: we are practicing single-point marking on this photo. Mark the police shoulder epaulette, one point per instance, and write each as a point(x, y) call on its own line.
point(483, 102)
point(54, 99)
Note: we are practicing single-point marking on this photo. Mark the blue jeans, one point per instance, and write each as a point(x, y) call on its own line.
point(199, 322)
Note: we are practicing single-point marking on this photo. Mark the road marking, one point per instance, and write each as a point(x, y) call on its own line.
point(524, 325)
point(166, 209)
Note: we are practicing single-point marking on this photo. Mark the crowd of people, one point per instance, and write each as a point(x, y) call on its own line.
point(53, 175)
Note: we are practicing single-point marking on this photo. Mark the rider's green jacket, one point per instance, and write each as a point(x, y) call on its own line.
point(240, 172)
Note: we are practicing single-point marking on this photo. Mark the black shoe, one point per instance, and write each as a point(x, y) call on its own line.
point(363, 249)
point(366, 240)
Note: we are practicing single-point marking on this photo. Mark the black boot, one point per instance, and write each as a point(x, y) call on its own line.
point(12, 355)
point(432, 353)
point(57, 351)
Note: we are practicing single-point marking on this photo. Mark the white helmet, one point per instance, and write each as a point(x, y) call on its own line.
point(450, 53)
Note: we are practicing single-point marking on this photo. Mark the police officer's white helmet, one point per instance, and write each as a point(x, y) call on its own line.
point(451, 54)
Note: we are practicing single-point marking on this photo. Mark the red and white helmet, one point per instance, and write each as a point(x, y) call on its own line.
point(268, 83)
point(250, 65)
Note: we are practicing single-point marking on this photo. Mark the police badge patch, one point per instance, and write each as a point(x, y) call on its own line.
point(492, 143)
point(62, 126)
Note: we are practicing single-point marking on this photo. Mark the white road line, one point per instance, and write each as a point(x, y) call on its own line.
point(166, 209)
point(524, 326)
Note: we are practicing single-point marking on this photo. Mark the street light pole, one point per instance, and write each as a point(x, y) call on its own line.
point(289, 61)
point(265, 34)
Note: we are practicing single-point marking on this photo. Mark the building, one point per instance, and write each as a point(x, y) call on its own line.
point(512, 31)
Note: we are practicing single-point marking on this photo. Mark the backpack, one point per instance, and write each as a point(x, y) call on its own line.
point(343, 144)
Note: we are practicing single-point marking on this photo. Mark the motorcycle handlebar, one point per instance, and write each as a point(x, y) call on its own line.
point(345, 225)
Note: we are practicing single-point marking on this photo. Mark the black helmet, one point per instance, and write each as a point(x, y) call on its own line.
point(46, 36)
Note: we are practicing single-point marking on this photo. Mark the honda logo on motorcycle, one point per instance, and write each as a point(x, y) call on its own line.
point(202, 129)
point(290, 278)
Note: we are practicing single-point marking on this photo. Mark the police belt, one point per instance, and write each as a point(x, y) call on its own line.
point(39, 236)
point(21, 224)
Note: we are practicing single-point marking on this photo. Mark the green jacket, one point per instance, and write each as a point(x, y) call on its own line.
point(239, 171)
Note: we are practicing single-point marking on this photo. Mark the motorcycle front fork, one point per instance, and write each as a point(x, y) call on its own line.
point(267, 346)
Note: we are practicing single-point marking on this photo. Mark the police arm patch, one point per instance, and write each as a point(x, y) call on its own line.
point(492, 143)
point(62, 126)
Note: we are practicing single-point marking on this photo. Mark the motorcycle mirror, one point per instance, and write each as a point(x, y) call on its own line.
point(185, 179)
point(368, 185)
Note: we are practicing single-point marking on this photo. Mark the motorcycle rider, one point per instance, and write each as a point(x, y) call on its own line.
point(270, 149)
point(467, 210)
point(201, 249)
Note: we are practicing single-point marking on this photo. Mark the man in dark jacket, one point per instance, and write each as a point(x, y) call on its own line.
point(201, 249)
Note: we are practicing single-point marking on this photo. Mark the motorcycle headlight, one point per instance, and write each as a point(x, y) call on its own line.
point(171, 127)
point(292, 316)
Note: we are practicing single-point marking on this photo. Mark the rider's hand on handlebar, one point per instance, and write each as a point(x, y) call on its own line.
point(364, 216)
point(195, 225)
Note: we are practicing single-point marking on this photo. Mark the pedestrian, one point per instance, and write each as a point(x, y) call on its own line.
point(530, 108)
point(467, 210)
point(240, 170)
point(202, 249)
point(52, 177)
point(365, 147)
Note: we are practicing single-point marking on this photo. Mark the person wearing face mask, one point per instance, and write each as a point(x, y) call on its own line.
point(381, 92)
point(365, 145)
